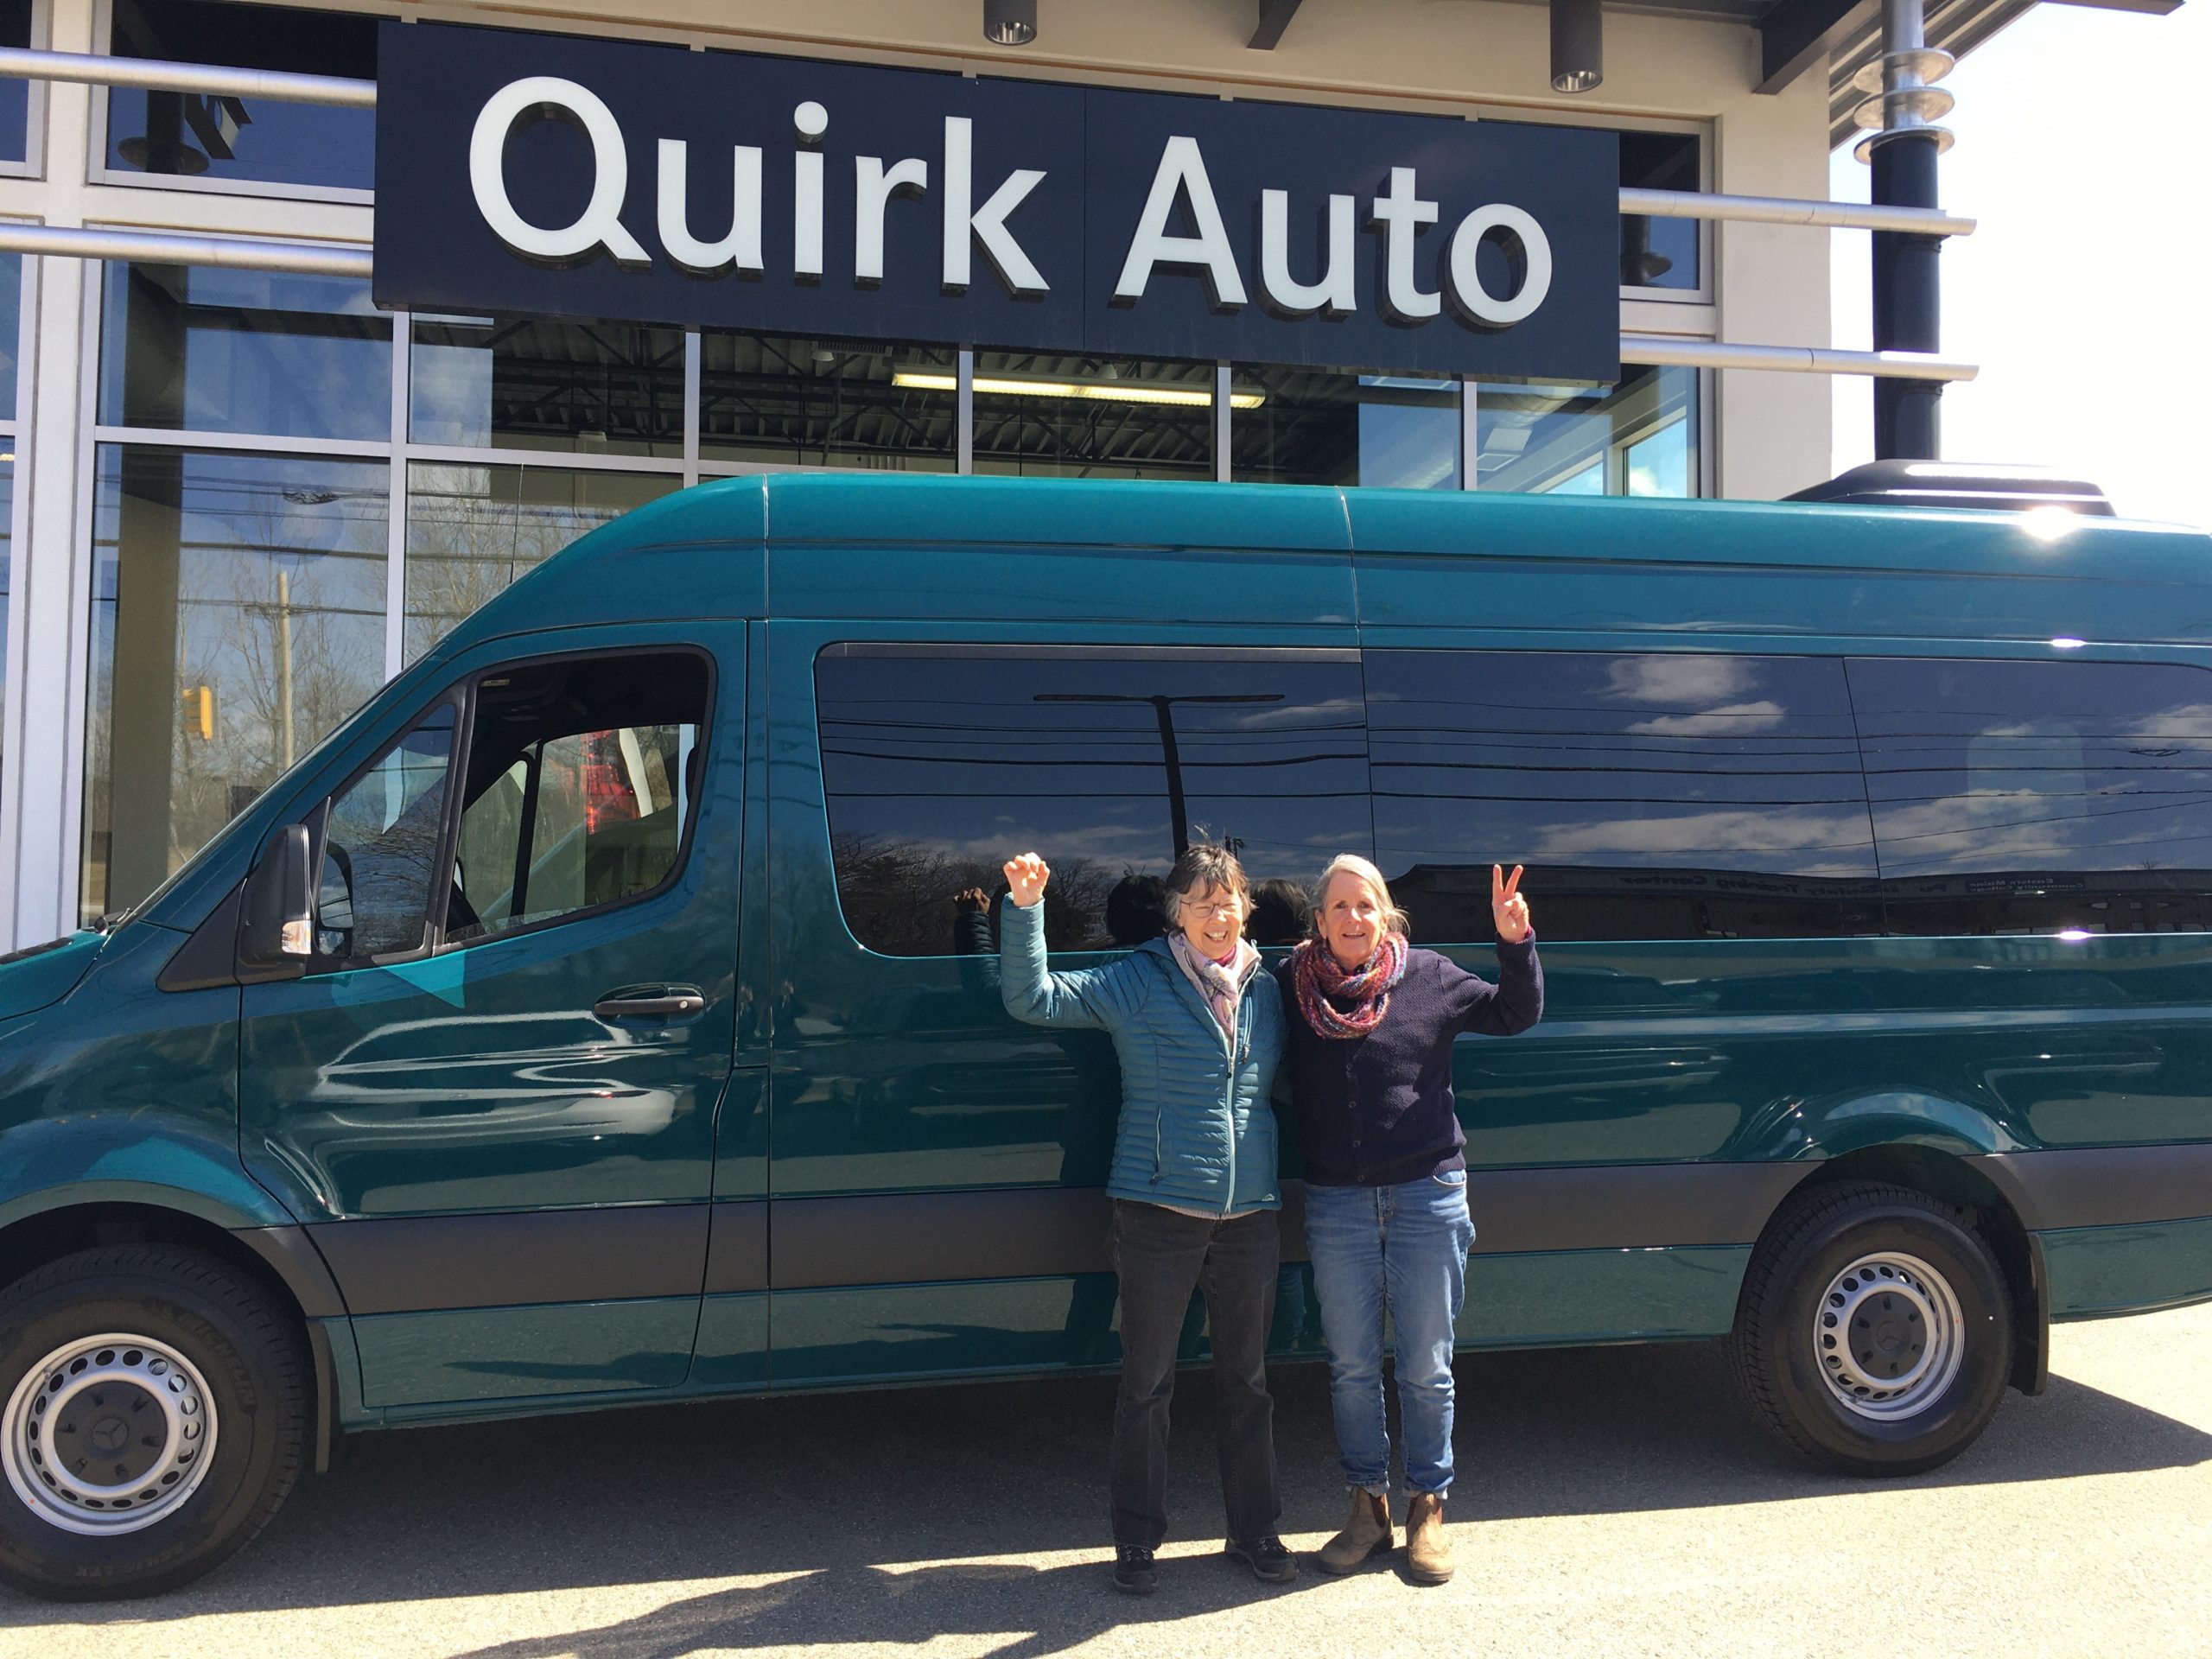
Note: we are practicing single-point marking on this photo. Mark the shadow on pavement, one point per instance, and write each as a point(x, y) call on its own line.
point(835, 1489)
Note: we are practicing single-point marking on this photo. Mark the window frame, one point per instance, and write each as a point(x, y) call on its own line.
point(33, 166)
point(96, 171)
point(1091, 650)
point(317, 821)
point(462, 693)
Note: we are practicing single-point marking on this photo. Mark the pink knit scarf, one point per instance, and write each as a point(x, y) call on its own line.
point(1368, 986)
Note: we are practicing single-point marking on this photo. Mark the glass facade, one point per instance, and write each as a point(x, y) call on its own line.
point(203, 349)
point(775, 400)
point(471, 529)
point(537, 383)
point(14, 95)
point(1637, 438)
point(1317, 426)
point(238, 616)
point(1041, 416)
point(194, 135)
point(1661, 252)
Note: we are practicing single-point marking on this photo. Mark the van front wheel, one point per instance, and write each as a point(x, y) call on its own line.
point(1874, 1334)
point(153, 1409)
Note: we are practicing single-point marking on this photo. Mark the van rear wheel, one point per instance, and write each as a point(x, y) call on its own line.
point(153, 1408)
point(1874, 1334)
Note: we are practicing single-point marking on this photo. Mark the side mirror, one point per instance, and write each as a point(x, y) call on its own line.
point(276, 919)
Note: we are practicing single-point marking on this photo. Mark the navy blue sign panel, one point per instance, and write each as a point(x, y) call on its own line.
point(564, 176)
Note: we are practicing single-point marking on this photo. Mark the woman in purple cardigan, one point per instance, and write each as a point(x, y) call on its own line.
point(1371, 1026)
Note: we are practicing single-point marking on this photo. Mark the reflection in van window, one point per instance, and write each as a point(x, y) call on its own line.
point(381, 846)
point(939, 764)
point(2028, 796)
point(1653, 795)
point(581, 774)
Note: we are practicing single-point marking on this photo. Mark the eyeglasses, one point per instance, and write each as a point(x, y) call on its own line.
point(1200, 907)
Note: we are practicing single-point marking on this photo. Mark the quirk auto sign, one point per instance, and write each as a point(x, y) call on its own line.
point(539, 174)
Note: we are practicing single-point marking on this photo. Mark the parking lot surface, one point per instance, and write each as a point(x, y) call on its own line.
point(1613, 1501)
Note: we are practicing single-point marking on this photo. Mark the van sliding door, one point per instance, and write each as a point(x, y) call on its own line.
point(938, 1168)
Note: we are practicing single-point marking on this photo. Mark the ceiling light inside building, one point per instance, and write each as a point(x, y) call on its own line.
point(1103, 391)
point(1578, 46)
point(1009, 23)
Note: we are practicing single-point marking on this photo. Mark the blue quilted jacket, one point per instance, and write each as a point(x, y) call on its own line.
point(1197, 1129)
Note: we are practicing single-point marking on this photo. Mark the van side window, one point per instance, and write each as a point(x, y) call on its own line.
point(581, 779)
point(940, 763)
point(380, 848)
point(2028, 796)
point(1652, 795)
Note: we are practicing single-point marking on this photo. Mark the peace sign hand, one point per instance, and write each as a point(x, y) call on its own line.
point(1508, 909)
point(1026, 877)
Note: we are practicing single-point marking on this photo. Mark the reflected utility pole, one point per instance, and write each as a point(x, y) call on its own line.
point(1164, 708)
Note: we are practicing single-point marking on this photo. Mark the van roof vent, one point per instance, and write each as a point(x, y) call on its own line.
point(1949, 484)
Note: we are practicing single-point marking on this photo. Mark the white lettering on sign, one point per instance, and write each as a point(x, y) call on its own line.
point(873, 184)
point(1336, 294)
point(1399, 212)
point(600, 225)
point(813, 121)
point(986, 224)
point(1181, 175)
point(1179, 182)
point(1522, 235)
point(742, 247)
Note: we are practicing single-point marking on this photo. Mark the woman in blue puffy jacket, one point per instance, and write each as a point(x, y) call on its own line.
point(1199, 1031)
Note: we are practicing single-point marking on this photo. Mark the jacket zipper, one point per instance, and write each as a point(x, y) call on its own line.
point(1234, 1038)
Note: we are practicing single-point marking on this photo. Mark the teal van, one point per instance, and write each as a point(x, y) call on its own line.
point(609, 1012)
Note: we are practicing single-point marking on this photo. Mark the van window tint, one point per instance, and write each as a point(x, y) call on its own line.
point(940, 764)
point(2027, 797)
point(1659, 795)
point(380, 848)
point(580, 777)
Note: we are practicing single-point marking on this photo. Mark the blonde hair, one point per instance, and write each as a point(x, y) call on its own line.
point(1352, 864)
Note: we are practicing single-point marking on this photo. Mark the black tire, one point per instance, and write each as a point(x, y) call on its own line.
point(1797, 1367)
point(248, 1354)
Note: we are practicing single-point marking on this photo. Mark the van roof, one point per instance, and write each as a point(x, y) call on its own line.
point(918, 547)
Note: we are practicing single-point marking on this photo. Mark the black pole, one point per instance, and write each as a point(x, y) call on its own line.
point(1908, 315)
point(1177, 817)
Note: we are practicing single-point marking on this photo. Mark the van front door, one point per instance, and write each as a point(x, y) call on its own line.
point(493, 1092)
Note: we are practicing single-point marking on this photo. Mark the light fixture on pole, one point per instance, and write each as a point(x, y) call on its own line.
point(1009, 23)
point(1578, 45)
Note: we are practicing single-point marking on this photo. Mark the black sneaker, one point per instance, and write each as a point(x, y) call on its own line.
point(1270, 1562)
point(1132, 1570)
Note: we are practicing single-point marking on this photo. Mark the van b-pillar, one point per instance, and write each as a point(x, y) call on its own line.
point(1902, 150)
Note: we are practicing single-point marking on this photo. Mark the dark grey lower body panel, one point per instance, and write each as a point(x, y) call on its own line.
point(2103, 1186)
point(647, 1251)
point(921, 1238)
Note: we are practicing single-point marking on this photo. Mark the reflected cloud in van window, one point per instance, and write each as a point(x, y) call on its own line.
point(940, 764)
point(1652, 795)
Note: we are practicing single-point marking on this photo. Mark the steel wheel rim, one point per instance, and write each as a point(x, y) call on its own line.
point(108, 1434)
point(1888, 1336)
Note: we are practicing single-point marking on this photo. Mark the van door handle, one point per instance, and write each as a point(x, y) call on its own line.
point(650, 1002)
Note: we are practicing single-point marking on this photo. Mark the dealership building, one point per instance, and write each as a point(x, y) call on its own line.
point(321, 324)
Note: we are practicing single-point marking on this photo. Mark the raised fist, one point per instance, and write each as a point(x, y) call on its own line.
point(1026, 877)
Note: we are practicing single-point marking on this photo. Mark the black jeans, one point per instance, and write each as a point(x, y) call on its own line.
point(1162, 1257)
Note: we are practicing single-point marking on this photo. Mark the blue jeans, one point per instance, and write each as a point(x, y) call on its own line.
point(1403, 1250)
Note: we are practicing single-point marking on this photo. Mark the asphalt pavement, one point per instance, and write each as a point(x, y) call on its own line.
point(1611, 1501)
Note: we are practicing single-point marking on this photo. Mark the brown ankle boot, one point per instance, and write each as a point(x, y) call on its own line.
point(1366, 1533)
point(1429, 1557)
